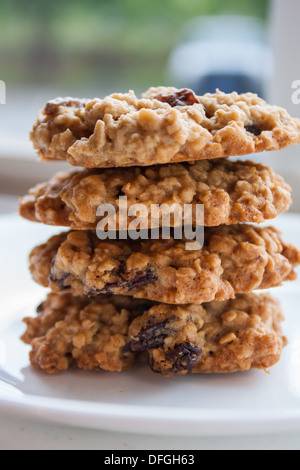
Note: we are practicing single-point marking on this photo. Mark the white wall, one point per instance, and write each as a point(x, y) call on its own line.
point(285, 38)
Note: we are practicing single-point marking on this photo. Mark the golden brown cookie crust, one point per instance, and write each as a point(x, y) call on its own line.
point(110, 333)
point(231, 193)
point(165, 126)
point(234, 260)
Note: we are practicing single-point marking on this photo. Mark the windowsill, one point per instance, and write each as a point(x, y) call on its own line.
point(20, 169)
point(16, 149)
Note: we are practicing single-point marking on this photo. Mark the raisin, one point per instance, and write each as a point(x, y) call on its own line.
point(255, 130)
point(184, 357)
point(107, 290)
point(141, 278)
point(183, 97)
point(51, 107)
point(61, 282)
point(151, 337)
point(40, 308)
point(93, 292)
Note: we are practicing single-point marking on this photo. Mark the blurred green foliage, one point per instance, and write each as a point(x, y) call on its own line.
point(106, 42)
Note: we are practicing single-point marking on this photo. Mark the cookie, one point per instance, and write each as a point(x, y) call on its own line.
point(234, 260)
point(91, 334)
point(231, 193)
point(165, 126)
point(219, 337)
point(111, 333)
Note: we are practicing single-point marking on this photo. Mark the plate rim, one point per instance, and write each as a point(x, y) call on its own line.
point(152, 420)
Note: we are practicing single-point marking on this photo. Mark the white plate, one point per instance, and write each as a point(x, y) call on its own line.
point(139, 401)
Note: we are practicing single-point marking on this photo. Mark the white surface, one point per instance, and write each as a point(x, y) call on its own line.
point(139, 401)
point(26, 435)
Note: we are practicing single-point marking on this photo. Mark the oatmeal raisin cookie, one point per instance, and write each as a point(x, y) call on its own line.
point(112, 333)
point(231, 193)
point(234, 260)
point(165, 126)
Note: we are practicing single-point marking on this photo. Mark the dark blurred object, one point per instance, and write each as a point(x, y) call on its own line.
point(229, 82)
point(226, 52)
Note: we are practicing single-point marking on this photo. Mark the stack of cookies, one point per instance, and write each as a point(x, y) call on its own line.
point(119, 301)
